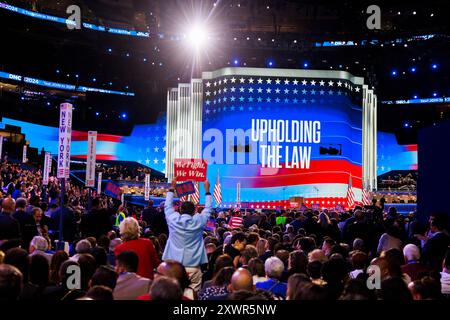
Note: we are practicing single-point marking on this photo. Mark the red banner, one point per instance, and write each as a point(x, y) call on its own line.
point(190, 169)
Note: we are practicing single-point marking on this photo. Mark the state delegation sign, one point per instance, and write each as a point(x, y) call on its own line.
point(64, 139)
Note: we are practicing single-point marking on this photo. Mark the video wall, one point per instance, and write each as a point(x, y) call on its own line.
point(146, 144)
point(393, 156)
point(281, 137)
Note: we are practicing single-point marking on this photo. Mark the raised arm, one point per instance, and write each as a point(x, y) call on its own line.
point(206, 212)
point(168, 204)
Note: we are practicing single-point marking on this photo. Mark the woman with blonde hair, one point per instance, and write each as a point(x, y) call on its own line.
point(144, 248)
point(262, 246)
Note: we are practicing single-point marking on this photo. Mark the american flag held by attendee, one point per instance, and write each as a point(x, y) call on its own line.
point(195, 197)
point(350, 194)
point(217, 194)
point(235, 222)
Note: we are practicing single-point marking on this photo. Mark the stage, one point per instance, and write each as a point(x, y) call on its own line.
point(279, 134)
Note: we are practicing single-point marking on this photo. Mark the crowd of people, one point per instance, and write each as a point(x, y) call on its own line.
point(407, 182)
point(174, 253)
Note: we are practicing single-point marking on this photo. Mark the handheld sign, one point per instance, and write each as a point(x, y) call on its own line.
point(112, 190)
point(24, 154)
point(47, 168)
point(99, 183)
point(65, 136)
point(190, 169)
point(210, 225)
point(147, 187)
point(184, 189)
point(90, 163)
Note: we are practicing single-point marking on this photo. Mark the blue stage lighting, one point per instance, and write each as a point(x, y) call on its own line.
point(394, 73)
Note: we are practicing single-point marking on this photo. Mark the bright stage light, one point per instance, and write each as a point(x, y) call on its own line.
point(197, 36)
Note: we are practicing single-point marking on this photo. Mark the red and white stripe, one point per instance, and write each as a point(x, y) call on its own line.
point(350, 194)
point(235, 222)
point(195, 197)
point(217, 194)
point(366, 198)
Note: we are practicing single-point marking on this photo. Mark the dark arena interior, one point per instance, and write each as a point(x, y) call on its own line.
point(224, 151)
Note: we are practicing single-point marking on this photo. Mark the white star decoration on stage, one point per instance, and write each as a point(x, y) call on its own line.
point(261, 91)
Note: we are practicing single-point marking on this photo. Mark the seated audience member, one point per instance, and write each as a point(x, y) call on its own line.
point(174, 269)
point(100, 256)
point(262, 247)
point(317, 255)
point(144, 249)
point(39, 245)
point(297, 262)
point(82, 247)
point(327, 245)
point(335, 273)
point(394, 289)
point(294, 284)
point(38, 277)
point(222, 261)
point(360, 262)
point(99, 293)
point(87, 269)
point(242, 279)
point(112, 245)
point(10, 282)
point(60, 291)
point(426, 288)
point(104, 276)
point(57, 259)
point(413, 267)
point(314, 272)
point(311, 291)
point(237, 244)
point(256, 267)
point(356, 289)
point(253, 239)
point(248, 253)
point(445, 276)
point(390, 240)
point(274, 268)
point(129, 284)
point(219, 285)
point(165, 288)
point(395, 260)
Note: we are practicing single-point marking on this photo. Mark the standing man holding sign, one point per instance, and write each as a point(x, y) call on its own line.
point(185, 243)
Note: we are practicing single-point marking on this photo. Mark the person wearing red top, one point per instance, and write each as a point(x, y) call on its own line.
point(144, 249)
